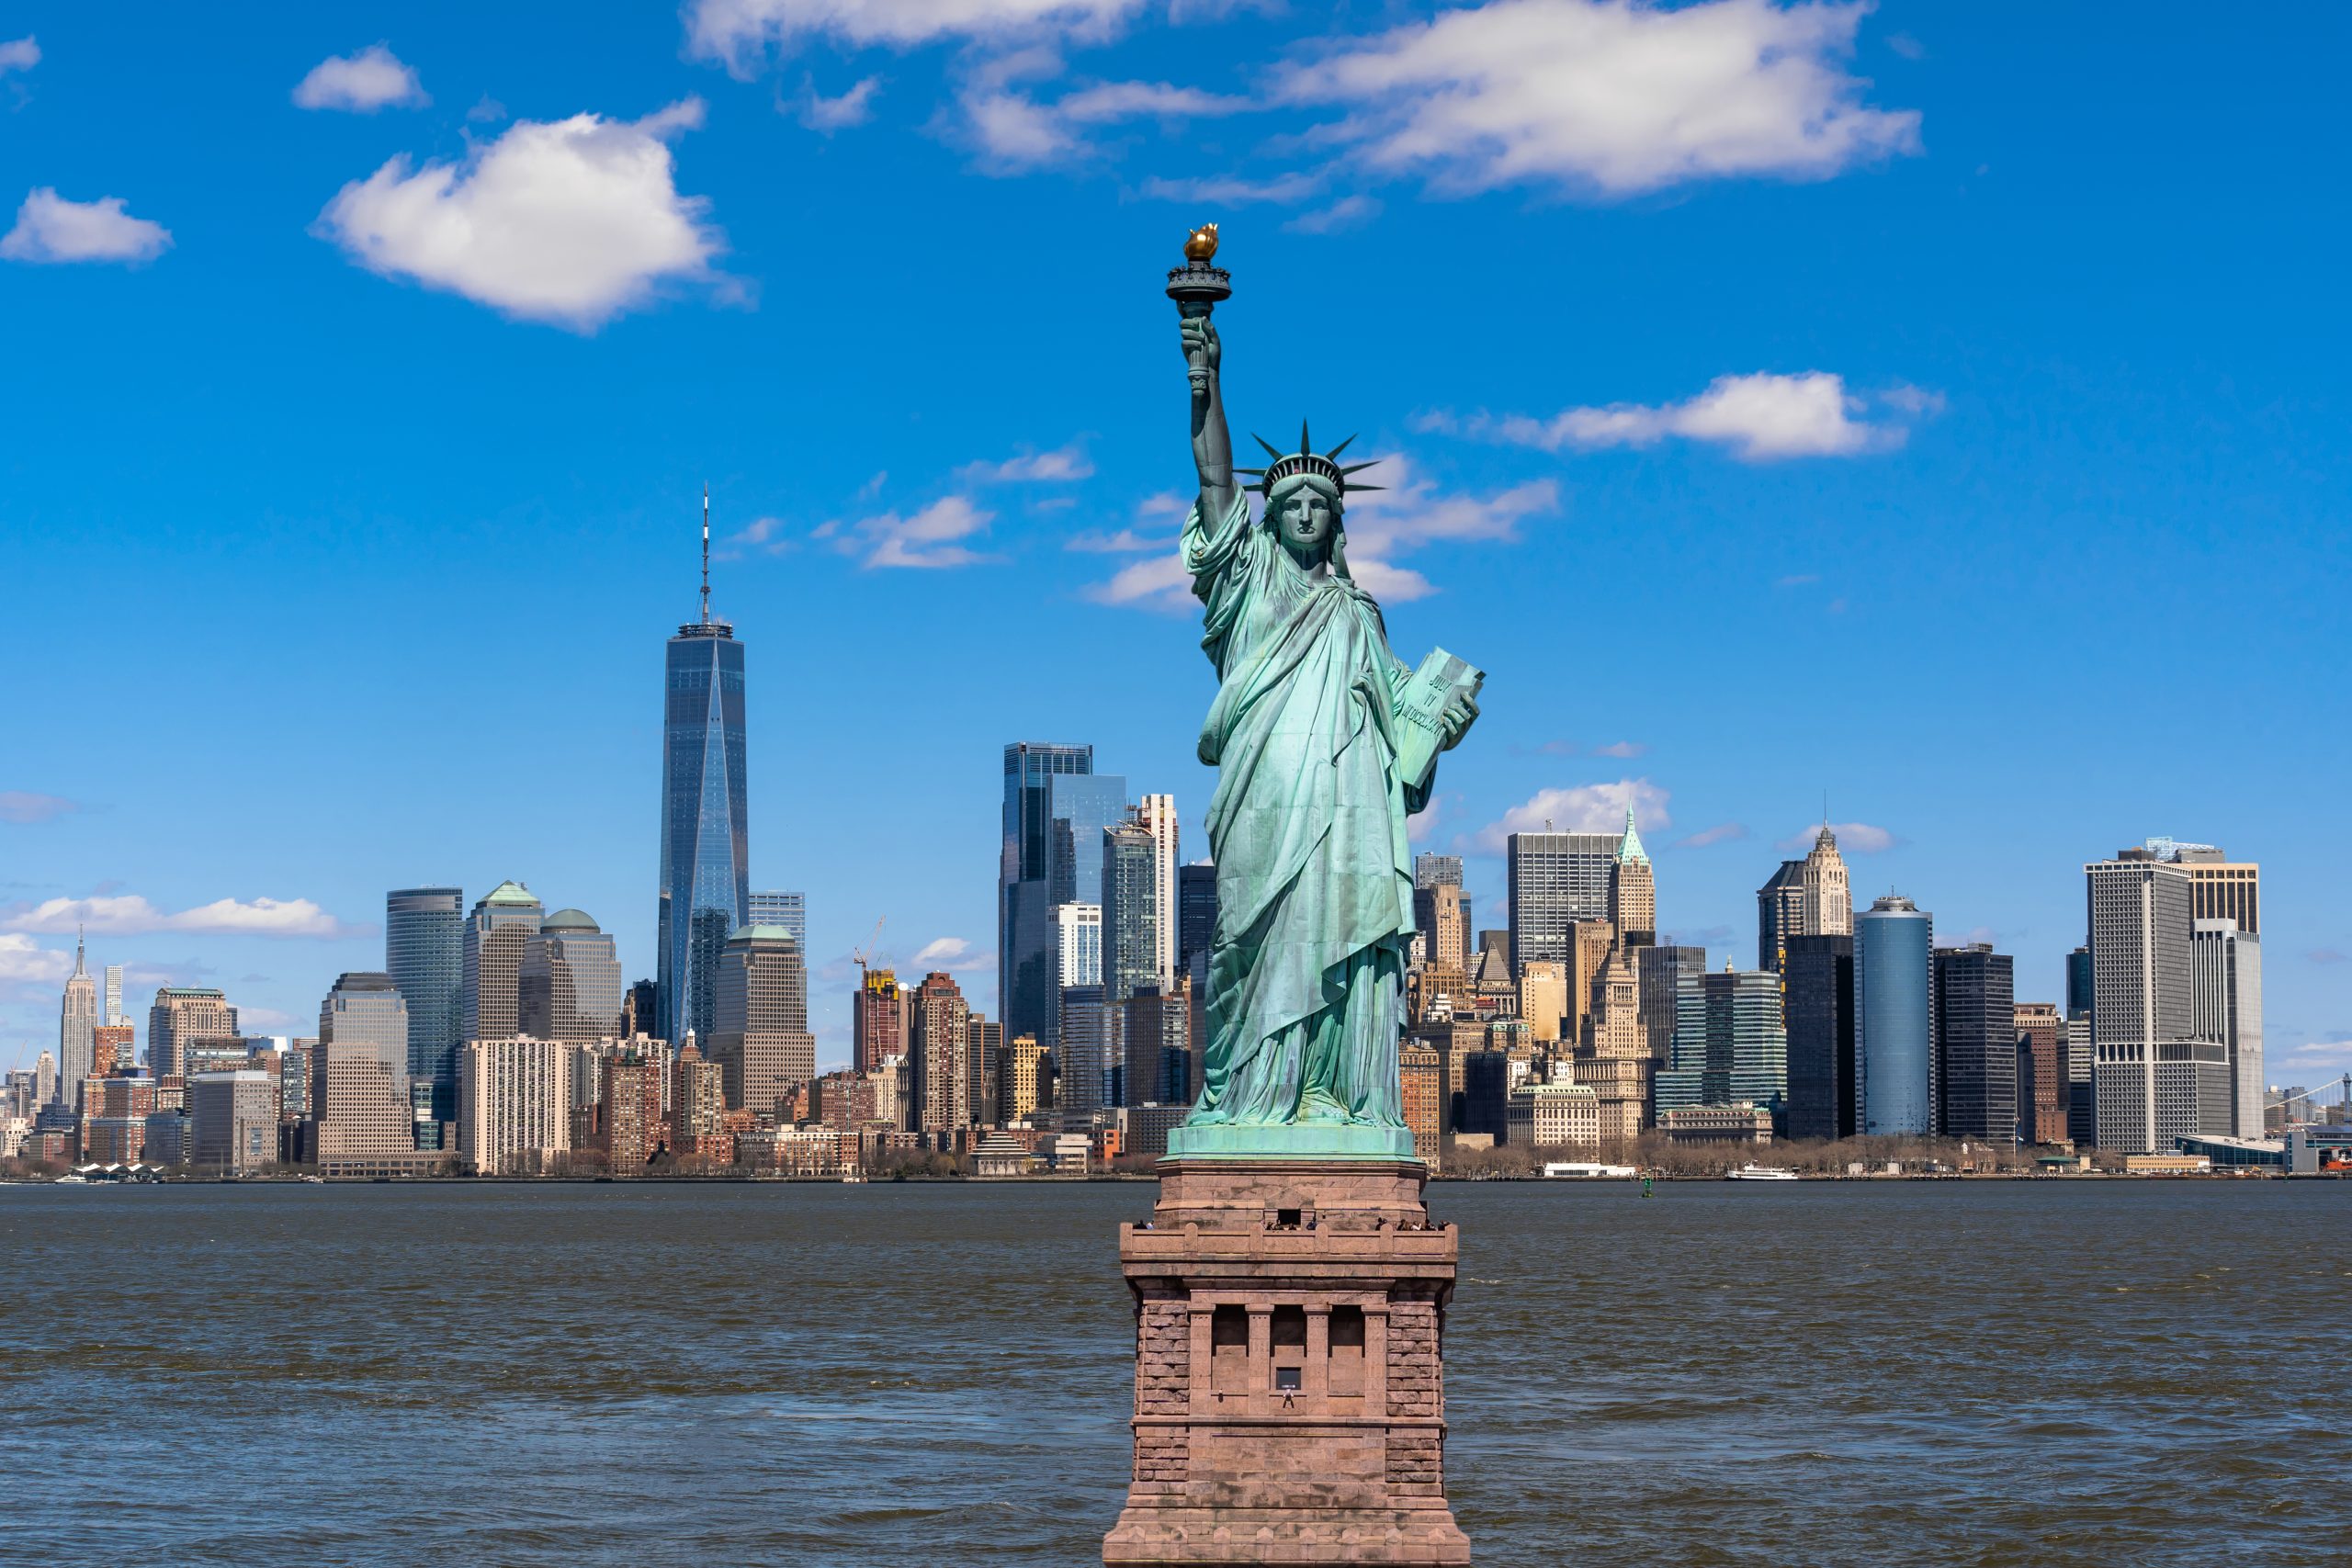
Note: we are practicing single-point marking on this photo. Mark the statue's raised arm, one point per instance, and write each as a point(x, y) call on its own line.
point(1211, 440)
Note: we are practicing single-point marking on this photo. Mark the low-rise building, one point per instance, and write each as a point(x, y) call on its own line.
point(1740, 1123)
point(1561, 1114)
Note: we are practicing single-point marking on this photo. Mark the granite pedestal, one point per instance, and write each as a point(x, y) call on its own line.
point(1290, 1404)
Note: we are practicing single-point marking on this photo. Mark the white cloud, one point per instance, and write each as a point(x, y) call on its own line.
point(1014, 130)
point(372, 79)
point(1759, 417)
point(128, 913)
point(740, 31)
point(1348, 212)
point(765, 535)
point(1160, 583)
point(1721, 833)
point(1620, 749)
point(1858, 837)
point(24, 806)
point(1585, 808)
point(945, 949)
point(19, 54)
point(853, 107)
point(51, 229)
point(1126, 542)
point(1224, 190)
point(1609, 96)
point(570, 221)
point(1064, 465)
point(25, 962)
point(931, 537)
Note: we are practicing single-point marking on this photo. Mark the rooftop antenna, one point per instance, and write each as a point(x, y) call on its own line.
point(705, 552)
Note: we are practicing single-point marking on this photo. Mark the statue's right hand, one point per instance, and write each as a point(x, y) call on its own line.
point(1201, 350)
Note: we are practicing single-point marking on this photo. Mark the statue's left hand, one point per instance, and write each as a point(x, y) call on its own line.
point(1456, 721)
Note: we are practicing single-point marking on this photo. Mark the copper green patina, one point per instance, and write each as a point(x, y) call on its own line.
point(1325, 742)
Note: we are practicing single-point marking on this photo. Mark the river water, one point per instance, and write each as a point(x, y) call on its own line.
point(1871, 1374)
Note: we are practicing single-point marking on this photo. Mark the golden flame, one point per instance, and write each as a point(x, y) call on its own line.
point(1201, 244)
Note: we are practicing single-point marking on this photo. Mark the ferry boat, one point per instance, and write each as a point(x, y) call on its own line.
point(1759, 1173)
point(1580, 1169)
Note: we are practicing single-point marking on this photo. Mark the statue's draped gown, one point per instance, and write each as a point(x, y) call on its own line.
point(1314, 887)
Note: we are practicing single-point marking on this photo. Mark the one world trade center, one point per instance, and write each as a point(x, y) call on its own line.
point(706, 875)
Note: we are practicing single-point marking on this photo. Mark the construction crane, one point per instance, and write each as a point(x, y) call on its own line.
point(861, 955)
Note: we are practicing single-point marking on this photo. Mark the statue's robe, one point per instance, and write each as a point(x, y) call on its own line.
point(1313, 885)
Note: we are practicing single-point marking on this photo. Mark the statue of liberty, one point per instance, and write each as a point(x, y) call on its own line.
point(1324, 742)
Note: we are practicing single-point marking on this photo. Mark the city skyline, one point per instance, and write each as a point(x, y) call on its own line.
point(500, 514)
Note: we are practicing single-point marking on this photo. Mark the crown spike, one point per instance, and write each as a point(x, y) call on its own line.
point(1358, 467)
point(1367, 487)
point(1341, 448)
point(1304, 444)
point(1276, 453)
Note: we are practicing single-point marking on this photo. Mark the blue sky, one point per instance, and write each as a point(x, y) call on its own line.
point(1938, 406)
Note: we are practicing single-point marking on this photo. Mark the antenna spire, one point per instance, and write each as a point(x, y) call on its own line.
point(705, 552)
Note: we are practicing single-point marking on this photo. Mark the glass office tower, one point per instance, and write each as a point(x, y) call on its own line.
point(1026, 948)
point(424, 954)
point(1894, 1020)
point(705, 847)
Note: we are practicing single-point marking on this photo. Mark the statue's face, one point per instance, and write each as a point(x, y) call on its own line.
point(1305, 520)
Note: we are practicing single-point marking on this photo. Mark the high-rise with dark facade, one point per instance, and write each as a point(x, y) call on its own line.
point(1779, 912)
point(1025, 883)
point(570, 981)
point(1130, 909)
point(425, 952)
point(938, 1052)
point(1817, 992)
point(1557, 880)
point(705, 840)
point(1195, 911)
point(1976, 1042)
point(760, 1020)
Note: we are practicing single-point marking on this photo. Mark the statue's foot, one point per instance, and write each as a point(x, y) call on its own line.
point(1321, 1109)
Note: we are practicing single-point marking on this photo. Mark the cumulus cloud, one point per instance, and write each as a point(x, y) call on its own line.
point(1013, 129)
point(19, 54)
point(856, 107)
point(1759, 418)
point(1160, 583)
point(372, 79)
point(1854, 838)
point(1126, 542)
point(129, 914)
point(1608, 96)
point(51, 229)
point(943, 950)
point(1583, 808)
point(24, 806)
point(931, 537)
point(1721, 833)
point(739, 32)
point(26, 962)
point(1064, 465)
point(568, 221)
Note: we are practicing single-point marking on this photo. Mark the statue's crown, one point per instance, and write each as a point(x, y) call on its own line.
point(1305, 460)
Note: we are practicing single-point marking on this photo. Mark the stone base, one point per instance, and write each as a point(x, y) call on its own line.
point(1289, 1389)
point(1304, 1141)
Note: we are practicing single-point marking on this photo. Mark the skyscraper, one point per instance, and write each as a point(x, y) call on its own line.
point(2043, 1086)
point(1557, 879)
point(1633, 890)
point(937, 1047)
point(2219, 887)
point(1817, 992)
point(1442, 914)
point(779, 907)
point(1087, 1033)
point(113, 1013)
point(1437, 871)
point(760, 1018)
point(1729, 1043)
point(2226, 967)
point(878, 1020)
point(706, 843)
point(1779, 912)
point(1825, 907)
point(1894, 1020)
point(497, 935)
point(1025, 955)
point(77, 1019)
point(1157, 813)
point(425, 952)
point(570, 981)
point(2144, 1006)
point(1131, 923)
point(1195, 911)
point(1659, 972)
point(1976, 1042)
point(181, 1016)
point(366, 1008)
point(1078, 945)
